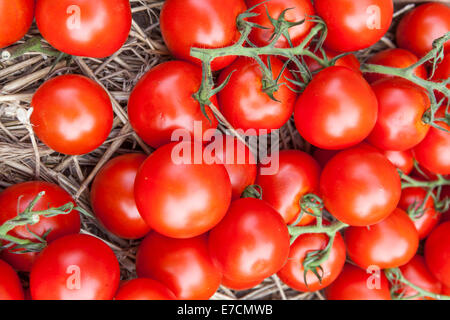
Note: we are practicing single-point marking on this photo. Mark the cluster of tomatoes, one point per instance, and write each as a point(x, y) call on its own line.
point(367, 131)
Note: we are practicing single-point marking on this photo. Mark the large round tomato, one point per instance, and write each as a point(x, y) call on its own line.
point(183, 265)
point(112, 197)
point(251, 243)
point(17, 198)
point(72, 114)
point(75, 267)
point(298, 174)
point(401, 106)
point(354, 25)
point(178, 197)
point(256, 110)
point(144, 289)
point(352, 284)
point(437, 253)
point(156, 119)
point(200, 24)
point(10, 286)
point(84, 27)
point(350, 61)
point(388, 244)
point(337, 110)
point(360, 186)
point(421, 26)
point(16, 17)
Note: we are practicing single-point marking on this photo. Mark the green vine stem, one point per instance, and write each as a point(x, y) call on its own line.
point(32, 45)
point(409, 182)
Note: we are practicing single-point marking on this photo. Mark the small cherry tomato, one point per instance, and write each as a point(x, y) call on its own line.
point(16, 17)
point(143, 289)
point(437, 253)
point(402, 160)
point(10, 286)
point(350, 61)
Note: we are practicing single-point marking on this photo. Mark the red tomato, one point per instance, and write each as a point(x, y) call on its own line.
point(10, 286)
point(437, 253)
point(72, 114)
point(360, 186)
point(183, 265)
point(173, 83)
point(297, 175)
point(237, 159)
point(144, 289)
point(445, 290)
point(256, 110)
point(17, 198)
point(388, 244)
point(75, 267)
point(401, 106)
point(299, 10)
point(83, 27)
point(354, 25)
point(402, 160)
point(350, 61)
point(442, 73)
point(337, 110)
point(251, 243)
point(112, 197)
point(201, 24)
point(421, 26)
point(181, 200)
point(395, 58)
point(352, 284)
point(413, 198)
point(16, 17)
point(239, 285)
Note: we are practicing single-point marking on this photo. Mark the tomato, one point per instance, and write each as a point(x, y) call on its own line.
point(144, 289)
point(251, 243)
point(395, 58)
point(256, 110)
point(445, 290)
point(17, 198)
point(417, 273)
point(16, 17)
point(437, 253)
point(238, 161)
point(10, 286)
point(173, 83)
point(240, 285)
point(354, 25)
point(352, 284)
point(402, 160)
point(322, 156)
point(401, 106)
point(183, 265)
point(360, 187)
point(84, 28)
point(112, 197)
point(292, 273)
point(413, 199)
point(201, 24)
point(388, 244)
point(350, 61)
point(299, 10)
point(72, 114)
point(421, 26)
point(337, 110)
point(442, 73)
point(75, 267)
point(298, 174)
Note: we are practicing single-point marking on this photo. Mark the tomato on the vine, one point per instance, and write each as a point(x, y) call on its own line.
point(10, 286)
point(143, 289)
point(437, 253)
point(350, 61)
point(442, 73)
point(16, 17)
point(402, 160)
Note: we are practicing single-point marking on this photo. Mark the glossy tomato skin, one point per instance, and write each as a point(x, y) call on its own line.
point(401, 106)
point(251, 242)
point(437, 253)
point(200, 24)
point(402, 160)
point(112, 197)
point(173, 83)
point(300, 10)
point(256, 111)
point(388, 244)
point(144, 289)
point(421, 26)
point(75, 267)
point(72, 114)
point(181, 200)
point(337, 110)
point(183, 265)
point(83, 27)
point(298, 174)
point(350, 61)
point(240, 285)
point(354, 25)
point(18, 197)
point(442, 73)
point(352, 284)
point(10, 286)
point(360, 187)
point(16, 17)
